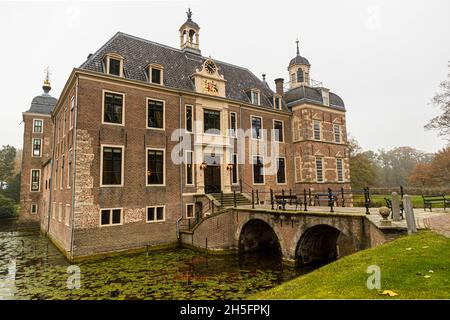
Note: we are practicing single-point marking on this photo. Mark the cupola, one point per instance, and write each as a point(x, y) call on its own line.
point(189, 35)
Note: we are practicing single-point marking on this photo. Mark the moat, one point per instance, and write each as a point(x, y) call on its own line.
point(32, 268)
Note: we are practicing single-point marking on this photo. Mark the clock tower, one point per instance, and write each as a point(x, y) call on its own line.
point(208, 80)
point(189, 35)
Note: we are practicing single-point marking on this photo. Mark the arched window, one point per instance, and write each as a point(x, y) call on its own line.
point(299, 75)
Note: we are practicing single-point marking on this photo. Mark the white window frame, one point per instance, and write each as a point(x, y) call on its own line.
point(67, 215)
point(110, 217)
point(320, 130)
point(32, 148)
point(186, 169)
point(279, 106)
point(233, 134)
point(276, 174)
point(72, 107)
point(342, 170)
point(164, 114)
point(31, 180)
point(60, 211)
point(53, 210)
point(42, 125)
point(282, 131)
point(339, 135)
point(155, 207)
point(155, 66)
point(31, 209)
point(193, 210)
point(115, 57)
point(263, 169)
point(258, 94)
point(101, 166)
point(146, 167)
point(186, 106)
point(323, 171)
point(103, 108)
point(261, 129)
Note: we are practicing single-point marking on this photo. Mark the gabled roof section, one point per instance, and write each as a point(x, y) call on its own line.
point(178, 66)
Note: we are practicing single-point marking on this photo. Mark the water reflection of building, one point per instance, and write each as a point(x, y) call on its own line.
point(97, 167)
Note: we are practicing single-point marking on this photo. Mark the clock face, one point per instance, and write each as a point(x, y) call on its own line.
point(210, 66)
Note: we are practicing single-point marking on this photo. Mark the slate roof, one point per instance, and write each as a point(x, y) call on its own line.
point(178, 67)
point(311, 94)
point(299, 60)
point(43, 104)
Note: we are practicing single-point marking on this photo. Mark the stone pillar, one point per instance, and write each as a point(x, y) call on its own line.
point(409, 213)
point(395, 207)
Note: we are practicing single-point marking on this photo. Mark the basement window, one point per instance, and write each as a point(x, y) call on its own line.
point(34, 208)
point(110, 217)
point(189, 211)
point(155, 214)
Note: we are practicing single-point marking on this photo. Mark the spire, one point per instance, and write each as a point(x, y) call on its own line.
point(298, 49)
point(46, 86)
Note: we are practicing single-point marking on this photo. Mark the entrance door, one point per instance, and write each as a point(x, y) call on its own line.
point(212, 179)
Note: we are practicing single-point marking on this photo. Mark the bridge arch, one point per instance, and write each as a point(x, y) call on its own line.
point(258, 235)
point(322, 243)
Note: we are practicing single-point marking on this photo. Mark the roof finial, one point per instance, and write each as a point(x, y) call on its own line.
point(298, 49)
point(189, 14)
point(264, 76)
point(46, 86)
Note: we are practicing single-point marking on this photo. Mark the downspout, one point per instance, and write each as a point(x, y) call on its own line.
point(181, 174)
point(74, 150)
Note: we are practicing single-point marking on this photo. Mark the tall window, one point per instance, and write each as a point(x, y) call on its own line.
point(60, 211)
point(189, 118)
point(114, 66)
point(61, 173)
point(37, 126)
point(278, 130)
point(340, 174)
point(319, 169)
point(72, 110)
point(112, 166)
point(233, 124)
point(155, 113)
point(258, 170)
point(337, 133)
point(69, 171)
point(189, 210)
point(256, 127)
point(317, 130)
point(37, 147)
point(211, 121)
point(300, 77)
point(35, 180)
point(277, 102)
point(255, 97)
point(113, 108)
point(155, 214)
point(281, 170)
point(155, 167)
point(234, 173)
point(189, 168)
point(110, 217)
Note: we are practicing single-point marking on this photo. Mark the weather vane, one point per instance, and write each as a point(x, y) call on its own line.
point(298, 49)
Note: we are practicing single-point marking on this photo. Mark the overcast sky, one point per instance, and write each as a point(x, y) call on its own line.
point(384, 58)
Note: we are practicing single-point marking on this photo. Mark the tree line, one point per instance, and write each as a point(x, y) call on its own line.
point(10, 162)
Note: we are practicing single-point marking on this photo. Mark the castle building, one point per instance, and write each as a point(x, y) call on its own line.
point(144, 136)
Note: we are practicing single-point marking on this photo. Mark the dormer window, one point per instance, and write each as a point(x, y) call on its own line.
point(254, 95)
point(277, 102)
point(326, 97)
point(155, 73)
point(113, 64)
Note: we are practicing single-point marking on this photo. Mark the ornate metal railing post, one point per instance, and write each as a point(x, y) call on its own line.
point(253, 199)
point(257, 197)
point(309, 195)
point(271, 198)
point(304, 199)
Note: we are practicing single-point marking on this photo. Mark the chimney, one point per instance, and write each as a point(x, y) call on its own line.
point(279, 83)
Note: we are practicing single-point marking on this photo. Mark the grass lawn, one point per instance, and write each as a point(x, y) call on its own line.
point(404, 263)
point(378, 201)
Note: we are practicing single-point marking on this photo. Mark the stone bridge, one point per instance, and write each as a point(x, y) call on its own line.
point(300, 237)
